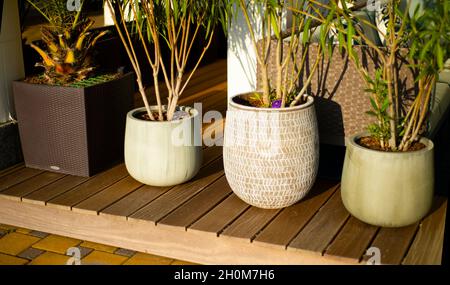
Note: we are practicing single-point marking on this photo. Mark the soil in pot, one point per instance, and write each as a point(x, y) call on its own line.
point(178, 115)
point(98, 79)
point(374, 144)
point(255, 100)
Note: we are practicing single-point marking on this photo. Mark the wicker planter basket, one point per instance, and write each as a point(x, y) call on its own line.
point(338, 89)
point(77, 131)
point(271, 156)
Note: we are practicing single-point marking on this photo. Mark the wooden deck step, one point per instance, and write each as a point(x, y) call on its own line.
point(203, 221)
point(293, 219)
point(322, 229)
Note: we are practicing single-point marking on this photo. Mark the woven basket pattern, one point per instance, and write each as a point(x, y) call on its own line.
point(271, 158)
point(341, 102)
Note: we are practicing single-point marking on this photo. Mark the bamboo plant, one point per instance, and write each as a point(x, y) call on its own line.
point(420, 38)
point(68, 42)
point(285, 90)
point(171, 25)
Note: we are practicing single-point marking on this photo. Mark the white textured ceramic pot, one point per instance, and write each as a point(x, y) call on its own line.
point(388, 189)
point(163, 153)
point(271, 155)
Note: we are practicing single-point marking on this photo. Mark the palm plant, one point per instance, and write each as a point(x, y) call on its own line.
point(420, 38)
point(68, 42)
point(172, 24)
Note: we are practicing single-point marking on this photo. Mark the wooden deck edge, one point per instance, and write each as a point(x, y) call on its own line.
point(142, 236)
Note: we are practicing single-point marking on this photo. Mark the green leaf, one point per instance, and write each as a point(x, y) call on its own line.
point(374, 105)
point(350, 34)
point(372, 113)
point(385, 105)
point(440, 56)
point(306, 32)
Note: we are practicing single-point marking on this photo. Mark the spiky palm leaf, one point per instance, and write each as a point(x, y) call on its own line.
point(68, 42)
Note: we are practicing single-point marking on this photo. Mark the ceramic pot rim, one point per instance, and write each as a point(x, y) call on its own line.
point(192, 111)
point(427, 142)
point(309, 103)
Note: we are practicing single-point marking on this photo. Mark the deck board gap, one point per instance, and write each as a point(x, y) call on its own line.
point(25, 180)
point(209, 210)
point(412, 241)
point(336, 188)
point(267, 224)
point(96, 193)
point(21, 198)
point(190, 198)
point(149, 202)
point(370, 243)
point(219, 233)
point(336, 235)
point(128, 194)
point(48, 200)
point(312, 217)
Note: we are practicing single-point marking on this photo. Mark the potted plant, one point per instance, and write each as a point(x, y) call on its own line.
point(388, 176)
point(163, 143)
point(71, 116)
point(271, 145)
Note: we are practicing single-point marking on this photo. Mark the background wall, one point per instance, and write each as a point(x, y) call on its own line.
point(11, 59)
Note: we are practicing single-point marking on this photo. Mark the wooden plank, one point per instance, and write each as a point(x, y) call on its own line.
point(46, 193)
point(11, 169)
point(221, 216)
point(89, 188)
point(17, 177)
point(133, 202)
point(292, 219)
point(323, 227)
point(198, 96)
point(198, 206)
point(106, 197)
point(428, 244)
point(175, 197)
point(19, 190)
point(352, 241)
point(204, 79)
point(146, 194)
point(146, 237)
point(393, 243)
point(249, 224)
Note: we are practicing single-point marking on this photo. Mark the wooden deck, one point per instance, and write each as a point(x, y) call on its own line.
point(203, 221)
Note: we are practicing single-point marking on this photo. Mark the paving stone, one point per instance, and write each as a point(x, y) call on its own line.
point(85, 251)
point(57, 244)
point(7, 227)
point(15, 243)
point(11, 260)
point(148, 259)
point(30, 253)
point(23, 231)
point(50, 258)
point(39, 234)
point(97, 246)
point(103, 258)
point(125, 252)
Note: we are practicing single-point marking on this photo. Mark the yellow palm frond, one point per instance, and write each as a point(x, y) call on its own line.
point(47, 59)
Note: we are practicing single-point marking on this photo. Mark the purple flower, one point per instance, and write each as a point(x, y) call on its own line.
point(276, 104)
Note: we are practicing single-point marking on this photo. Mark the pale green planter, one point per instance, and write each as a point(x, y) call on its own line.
point(388, 189)
point(163, 153)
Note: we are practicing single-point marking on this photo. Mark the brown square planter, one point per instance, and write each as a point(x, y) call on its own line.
point(77, 131)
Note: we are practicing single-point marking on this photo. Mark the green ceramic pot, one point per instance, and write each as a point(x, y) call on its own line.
point(163, 153)
point(388, 189)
